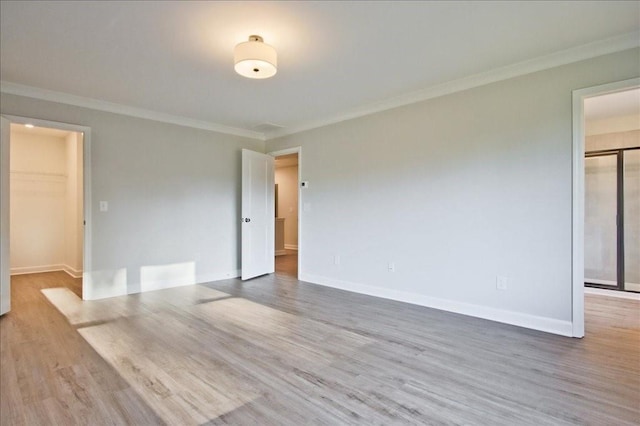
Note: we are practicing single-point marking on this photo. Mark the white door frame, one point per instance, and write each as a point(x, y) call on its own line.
point(287, 151)
point(86, 182)
point(578, 188)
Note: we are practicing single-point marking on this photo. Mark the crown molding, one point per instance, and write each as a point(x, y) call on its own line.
point(96, 104)
point(563, 57)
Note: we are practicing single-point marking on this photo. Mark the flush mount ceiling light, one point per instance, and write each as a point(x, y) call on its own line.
point(255, 58)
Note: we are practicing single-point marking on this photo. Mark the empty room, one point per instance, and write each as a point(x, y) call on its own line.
point(319, 212)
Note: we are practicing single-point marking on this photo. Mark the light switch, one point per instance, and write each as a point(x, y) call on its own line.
point(104, 206)
point(306, 207)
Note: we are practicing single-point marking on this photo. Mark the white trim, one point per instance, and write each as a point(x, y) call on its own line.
point(291, 247)
point(287, 151)
point(577, 196)
point(563, 57)
point(96, 104)
point(36, 269)
point(534, 322)
point(86, 184)
point(75, 273)
point(612, 293)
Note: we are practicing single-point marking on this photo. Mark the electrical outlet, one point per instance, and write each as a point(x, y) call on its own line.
point(104, 206)
point(501, 283)
point(392, 267)
point(336, 260)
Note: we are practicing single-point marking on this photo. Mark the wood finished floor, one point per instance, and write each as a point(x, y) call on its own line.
point(276, 351)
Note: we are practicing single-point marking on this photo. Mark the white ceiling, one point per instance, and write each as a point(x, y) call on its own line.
point(335, 58)
point(612, 105)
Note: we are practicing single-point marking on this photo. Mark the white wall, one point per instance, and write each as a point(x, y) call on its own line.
point(287, 180)
point(173, 193)
point(454, 191)
point(38, 188)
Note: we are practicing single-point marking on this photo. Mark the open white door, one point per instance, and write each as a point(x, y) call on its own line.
point(258, 214)
point(5, 277)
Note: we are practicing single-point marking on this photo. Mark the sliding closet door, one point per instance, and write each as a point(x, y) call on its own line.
point(601, 233)
point(631, 184)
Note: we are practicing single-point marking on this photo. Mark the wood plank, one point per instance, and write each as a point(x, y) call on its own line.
point(276, 350)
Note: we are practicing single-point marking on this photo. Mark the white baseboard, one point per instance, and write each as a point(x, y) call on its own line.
point(75, 273)
point(612, 293)
point(549, 325)
point(36, 269)
point(632, 286)
point(291, 246)
point(47, 268)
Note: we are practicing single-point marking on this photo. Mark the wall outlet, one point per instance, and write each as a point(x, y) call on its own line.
point(104, 206)
point(392, 267)
point(501, 283)
point(336, 260)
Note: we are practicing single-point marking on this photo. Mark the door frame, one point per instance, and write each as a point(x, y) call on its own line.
point(287, 151)
point(86, 182)
point(577, 195)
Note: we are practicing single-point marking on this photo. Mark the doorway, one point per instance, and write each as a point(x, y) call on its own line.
point(579, 162)
point(46, 201)
point(612, 191)
point(287, 192)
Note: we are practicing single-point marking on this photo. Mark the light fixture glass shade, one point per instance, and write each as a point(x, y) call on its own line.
point(255, 59)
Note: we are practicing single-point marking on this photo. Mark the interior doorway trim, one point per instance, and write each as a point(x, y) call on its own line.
point(577, 201)
point(86, 182)
point(287, 151)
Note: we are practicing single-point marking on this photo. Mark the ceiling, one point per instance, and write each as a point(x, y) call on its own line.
point(335, 58)
point(613, 105)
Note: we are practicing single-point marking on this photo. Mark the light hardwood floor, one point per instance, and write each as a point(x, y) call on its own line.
point(277, 351)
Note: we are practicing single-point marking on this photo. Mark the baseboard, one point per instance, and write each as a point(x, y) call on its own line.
point(75, 273)
point(280, 252)
point(549, 325)
point(291, 247)
point(632, 286)
point(36, 269)
point(612, 293)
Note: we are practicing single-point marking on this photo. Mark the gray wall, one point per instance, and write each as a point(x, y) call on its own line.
point(173, 193)
point(455, 191)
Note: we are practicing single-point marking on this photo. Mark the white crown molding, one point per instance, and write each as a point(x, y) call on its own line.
point(96, 104)
point(563, 57)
